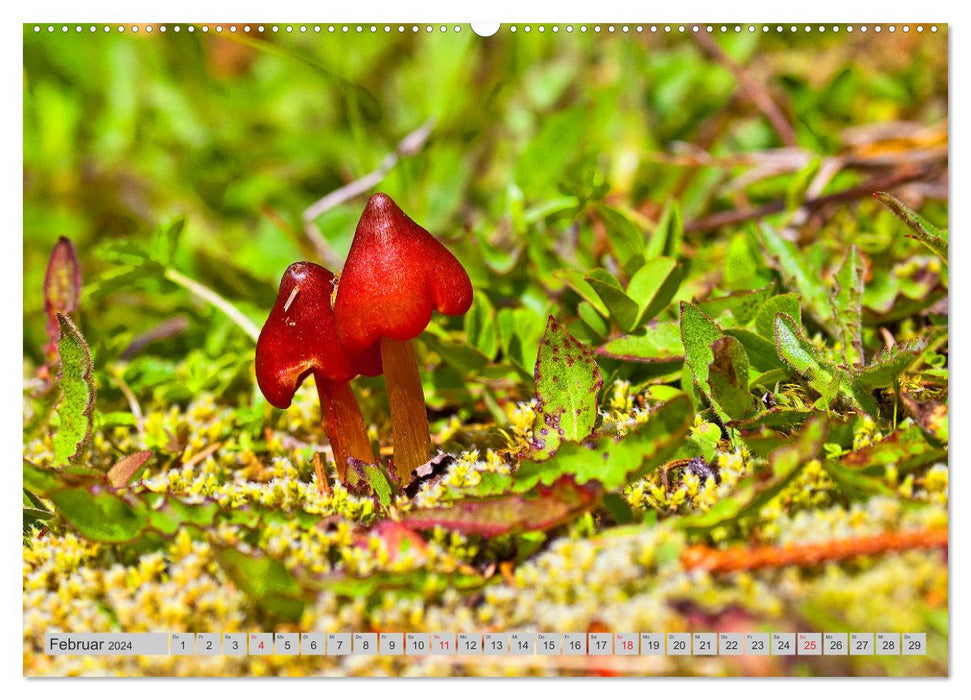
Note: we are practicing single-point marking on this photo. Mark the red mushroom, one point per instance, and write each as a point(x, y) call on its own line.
point(299, 339)
point(396, 274)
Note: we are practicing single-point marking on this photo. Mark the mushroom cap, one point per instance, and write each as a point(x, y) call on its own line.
point(299, 337)
point(396, 274)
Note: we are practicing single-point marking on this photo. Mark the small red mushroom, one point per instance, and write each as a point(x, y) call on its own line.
point(395, 276)
point(299, 339)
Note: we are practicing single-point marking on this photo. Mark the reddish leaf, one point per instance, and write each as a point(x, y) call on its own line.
point(62, 289)
point(126, 467)
point(542, 509)
point(396, 537)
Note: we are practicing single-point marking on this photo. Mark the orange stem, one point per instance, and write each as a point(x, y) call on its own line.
point(744, 558)
point(406, 399)
point(343, 424)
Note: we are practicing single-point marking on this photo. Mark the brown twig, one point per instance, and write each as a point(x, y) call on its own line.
point(202, 454)
point(409, 145)
point(738, 216)
point(745, 559)
point(167, 329)
point(753, 90)
point(322, 482)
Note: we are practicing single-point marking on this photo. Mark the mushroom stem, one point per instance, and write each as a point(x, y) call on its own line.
point(343, 424)
point(406, 399)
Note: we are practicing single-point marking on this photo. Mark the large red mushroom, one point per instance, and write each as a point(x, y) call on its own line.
point(395, 276)
point(299, 339)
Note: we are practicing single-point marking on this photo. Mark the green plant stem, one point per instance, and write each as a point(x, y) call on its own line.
point(220, 302)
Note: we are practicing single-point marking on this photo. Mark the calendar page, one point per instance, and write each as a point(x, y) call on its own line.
point(395, 349)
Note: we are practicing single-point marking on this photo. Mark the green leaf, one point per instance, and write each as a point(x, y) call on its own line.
point(32, 501)
point(500, 259)
point(38, 480)
point(615, 462)
point(33, 518)
point(924, 231)
point(35, 513)
point(855, 485)
point(594, 321)
point(625, 235)
point(519, 332)
point(462, 357)
point(75, 407)
point(99, 516)
point(167, 240)
point(124, 253)
point(619, 508)
point(778, 418)
point(886, 367)
point(168, 514)
point(728, 377)
point(661, 342)
point(797, 271)
point(567, 384)
point(824, 376)
point(668, 234)
point(576, 281)
point(762, 355)
point(781, 303)
point(698, 332)
point(265, 580)
point(653, 286)
point(118, 278)
point(847, 302)
point(379, 484)
point(416, 584)
point(798, 352)
point(545, 158)
point(743, 305)
point(586, 179)
point(621, 307)
point(480, 326)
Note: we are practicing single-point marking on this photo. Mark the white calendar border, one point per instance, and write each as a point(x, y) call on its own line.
point(442, 11)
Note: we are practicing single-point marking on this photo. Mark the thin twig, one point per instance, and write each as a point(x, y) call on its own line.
point(133, 405)
point(689, 155)
point(202, 454)
point(752, 89)
point(167, 329)
point(220, 302)
point(738, 216)
point(409, 145)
